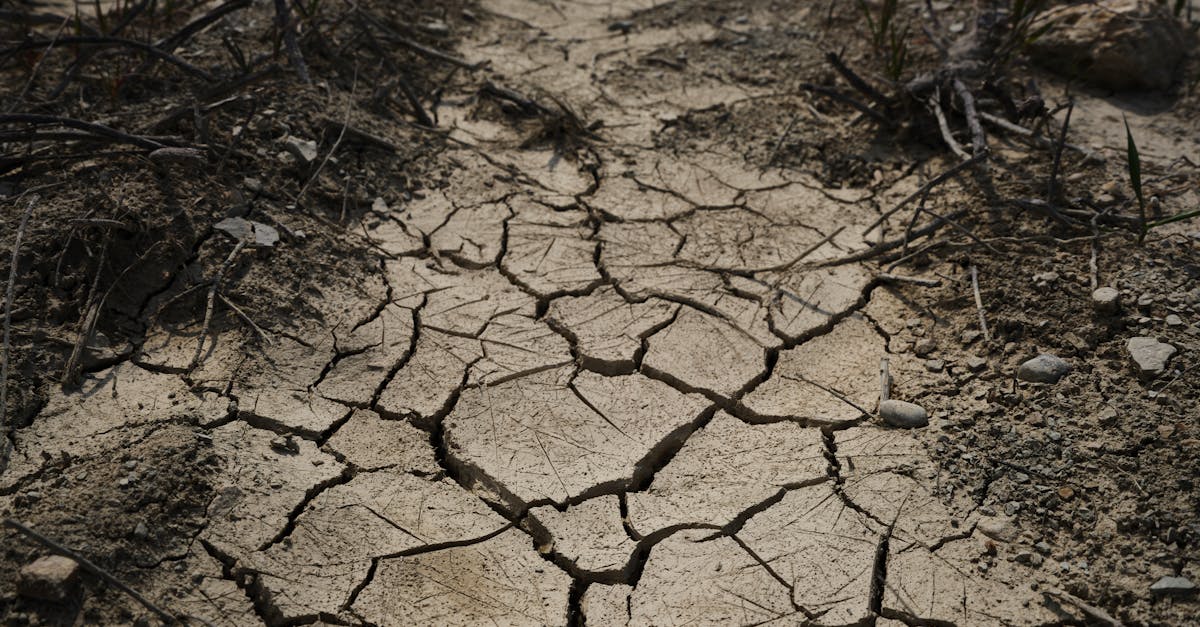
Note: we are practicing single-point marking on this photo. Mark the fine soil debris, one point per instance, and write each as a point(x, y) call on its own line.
point(883, 312)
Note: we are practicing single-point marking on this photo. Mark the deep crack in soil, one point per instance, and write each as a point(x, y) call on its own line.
point(618, 363)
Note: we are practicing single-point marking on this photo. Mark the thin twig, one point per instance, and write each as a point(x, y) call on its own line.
point(1016, 129)
point(433, 53)
point(855, 80)
point(92, 568)
point(898, 278)
point(782, 136)
point(924, 189)
point(1096, 614)
point(1052, 188)
point(8, 301)
point(336, 144)
point(37, 66)
point(979, 303)
point(843, 98)
point(961, 229)
point(212, 298)
point(169, 44)
point(90, 127)
point(241, 314)
point(87, 324)
point(885, 380)
point(116, 41)
point(885, 246)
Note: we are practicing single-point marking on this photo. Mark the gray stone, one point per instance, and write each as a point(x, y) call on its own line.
point(1029, 559)
point(260, 235)
point(925, 347)
point(976, 363)
point(1175, 586)
point(1174, 321)
point(51, 578)
point(935, 365)
point(1149, 355)
point(1106, 300)
point(903, 414)
point(304, 150)
point(998, 528)
point(1043, 369)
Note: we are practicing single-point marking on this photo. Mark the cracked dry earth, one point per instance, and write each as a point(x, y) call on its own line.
point(627, 387)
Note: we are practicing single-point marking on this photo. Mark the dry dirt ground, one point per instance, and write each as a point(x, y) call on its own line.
point(606, 349)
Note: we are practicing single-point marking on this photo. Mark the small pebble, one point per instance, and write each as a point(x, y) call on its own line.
point(969, 336)
point(1149, 356)
point(1029, 559)
point(976, 363)
point(998, 529)
point(1066, 493)
point(52, 578)
point(1045, 277)
point(1106, 300)
point(935, 365)
point(1174, 321)
point(1043, 369)
point(1175, 586)
point(925, 347)
point(903, 414)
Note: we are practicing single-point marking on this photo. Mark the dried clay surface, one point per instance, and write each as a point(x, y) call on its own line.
point(631, 383)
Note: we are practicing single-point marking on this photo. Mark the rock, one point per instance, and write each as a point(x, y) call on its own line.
point(1174, 586)
point(935, 365)
point(180, 156)
point(261, 235)
point(51, 578)
point(998, 529)
point(1149, 355)
point(1029, 559)
point(1115, 44)
point(925, 347)
point(1106, 300)
point(903, 414)
point(976, 363)
point(1044, 368)
point(1174, 321)
point(304, 150)
point(1045, 278)
point(970, 335)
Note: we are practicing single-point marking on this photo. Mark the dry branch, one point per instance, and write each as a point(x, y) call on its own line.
point(115, 41)
point(89, 127)
point(8, 300)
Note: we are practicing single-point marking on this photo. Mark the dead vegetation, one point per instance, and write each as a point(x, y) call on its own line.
point(334, 265)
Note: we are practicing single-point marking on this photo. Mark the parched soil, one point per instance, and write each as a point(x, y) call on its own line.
point(606, 346)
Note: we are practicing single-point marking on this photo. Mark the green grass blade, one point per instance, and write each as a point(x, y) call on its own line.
point(1135, 176)
point(1135, 164)
point(1179, 217)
